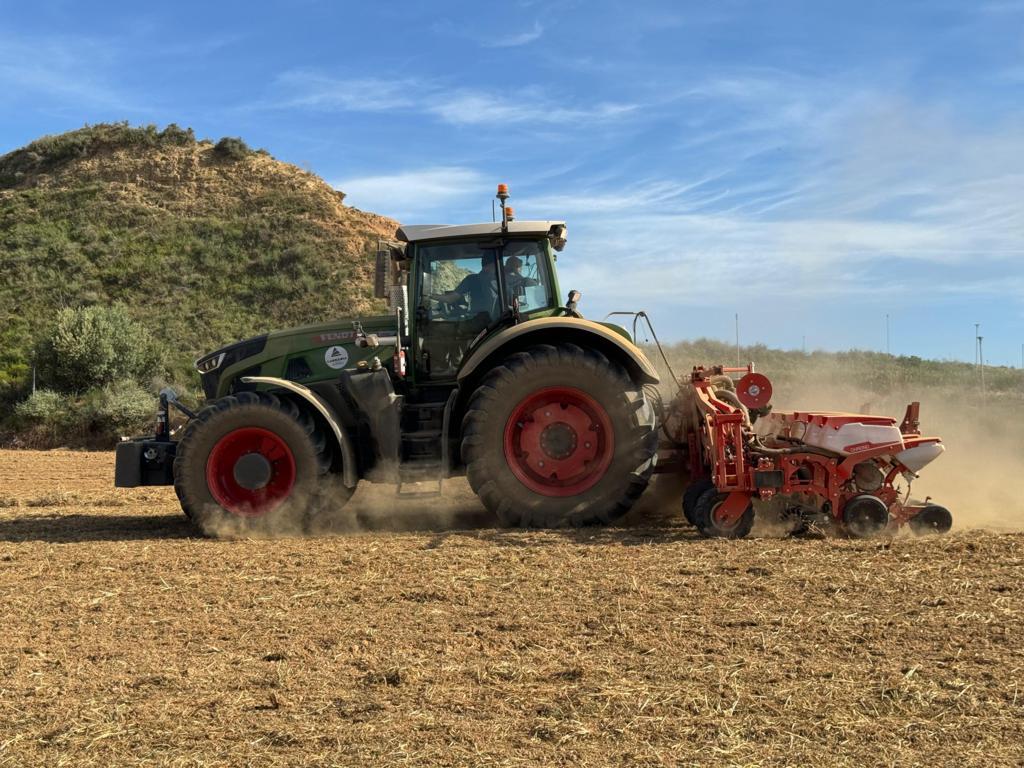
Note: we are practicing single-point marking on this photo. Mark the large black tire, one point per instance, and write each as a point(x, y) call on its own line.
point(253, 463)
point(693, 492)
point(708, 523)
point(601, 437)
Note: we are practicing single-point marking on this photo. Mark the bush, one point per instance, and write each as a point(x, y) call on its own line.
point(118, 410)
point(43, 420)
point(91, 347)
point(232, 148)
point(97, 419)
point(48, 152)
point(44, 407)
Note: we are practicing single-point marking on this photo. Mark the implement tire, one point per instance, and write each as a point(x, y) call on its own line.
point(252, 464)
point(557, 436)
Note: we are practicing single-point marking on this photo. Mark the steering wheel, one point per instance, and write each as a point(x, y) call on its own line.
point(451, 310)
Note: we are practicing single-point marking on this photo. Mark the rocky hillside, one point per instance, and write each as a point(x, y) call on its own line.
point(204, 242)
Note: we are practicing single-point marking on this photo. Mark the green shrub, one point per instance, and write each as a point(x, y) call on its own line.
point(50, 151)
point(118, 410)
point(96, 419)
point(232, 148)
point(91, 347)
point(43, 408)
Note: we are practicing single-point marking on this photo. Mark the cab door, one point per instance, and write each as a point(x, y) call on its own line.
point(444, 327)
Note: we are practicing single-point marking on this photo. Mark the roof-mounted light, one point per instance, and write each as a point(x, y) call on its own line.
point(509, 213)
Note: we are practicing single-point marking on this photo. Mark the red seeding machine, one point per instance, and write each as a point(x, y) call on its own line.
point(826, 469)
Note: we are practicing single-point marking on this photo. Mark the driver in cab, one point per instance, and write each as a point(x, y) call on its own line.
point(479, 290)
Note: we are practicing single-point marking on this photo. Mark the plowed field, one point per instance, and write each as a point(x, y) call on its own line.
point(428, 637)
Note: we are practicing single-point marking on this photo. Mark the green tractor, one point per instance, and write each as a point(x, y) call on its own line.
point(478, 369)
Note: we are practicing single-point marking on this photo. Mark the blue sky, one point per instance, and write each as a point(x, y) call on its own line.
point(813, 166)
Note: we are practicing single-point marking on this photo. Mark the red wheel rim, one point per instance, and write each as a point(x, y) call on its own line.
point(721, 522)
point(559, 441)
point(253, 446)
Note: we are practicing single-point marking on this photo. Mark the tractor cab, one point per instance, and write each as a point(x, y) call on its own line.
point(452, 286)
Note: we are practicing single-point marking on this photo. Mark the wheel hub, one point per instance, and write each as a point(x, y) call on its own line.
point(559, 441)
point(253, 471)
point(250, 471)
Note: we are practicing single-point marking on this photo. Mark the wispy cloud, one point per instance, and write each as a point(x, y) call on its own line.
point(411, 194)
point(66, 68)
point(873, 196)
point(457, 106)
point(513, 41)
point(317, 91)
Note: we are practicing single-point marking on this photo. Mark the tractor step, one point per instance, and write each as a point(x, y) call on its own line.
point(422, 435)
point(416, 472)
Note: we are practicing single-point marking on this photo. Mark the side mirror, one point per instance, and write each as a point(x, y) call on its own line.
point(574, 299)
point(558, 236)
point(380, 276)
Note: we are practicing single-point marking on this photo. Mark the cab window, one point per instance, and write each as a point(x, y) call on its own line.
point(526, 275)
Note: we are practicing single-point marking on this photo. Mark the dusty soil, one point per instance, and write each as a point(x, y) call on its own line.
point(127, 640)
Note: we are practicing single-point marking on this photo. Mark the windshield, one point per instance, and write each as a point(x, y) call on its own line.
point(460, 281)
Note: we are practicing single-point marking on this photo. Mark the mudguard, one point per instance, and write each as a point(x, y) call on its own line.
point(349, 473)
point(547, 327)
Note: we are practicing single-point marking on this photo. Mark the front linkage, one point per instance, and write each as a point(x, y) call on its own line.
point(149, 460)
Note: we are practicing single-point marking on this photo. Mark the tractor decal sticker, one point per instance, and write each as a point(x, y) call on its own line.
point(336, 357)
point(323, 338)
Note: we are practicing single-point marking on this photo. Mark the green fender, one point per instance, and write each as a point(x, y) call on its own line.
point(583, 332)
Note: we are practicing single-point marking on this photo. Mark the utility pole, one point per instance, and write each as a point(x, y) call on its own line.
point(977, 338)
point(803, 347)
point(737, 339)
point(887, 333)
point(981, 357)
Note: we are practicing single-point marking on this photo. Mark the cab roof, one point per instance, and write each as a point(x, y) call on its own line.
point(415, 233)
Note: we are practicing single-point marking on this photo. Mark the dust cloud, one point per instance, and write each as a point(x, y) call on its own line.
point(984, 439)
point(373, 507)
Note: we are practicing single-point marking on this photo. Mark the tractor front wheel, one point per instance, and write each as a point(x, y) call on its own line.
point(558, 435)
point(249, 464)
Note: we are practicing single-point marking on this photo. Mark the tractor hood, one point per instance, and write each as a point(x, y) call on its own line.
point(303, 354)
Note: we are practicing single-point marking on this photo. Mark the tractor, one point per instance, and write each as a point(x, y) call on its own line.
point(477, 369)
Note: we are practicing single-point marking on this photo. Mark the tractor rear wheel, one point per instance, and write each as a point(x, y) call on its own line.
point(251, 463)
point(558, 435)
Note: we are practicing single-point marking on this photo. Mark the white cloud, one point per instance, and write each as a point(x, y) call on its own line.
point(459, 106)
point(876, 197)
point(410, 195)
point(512, 41)
point(314, 90)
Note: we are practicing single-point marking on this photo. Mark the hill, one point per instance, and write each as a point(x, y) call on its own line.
point(204, 242)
